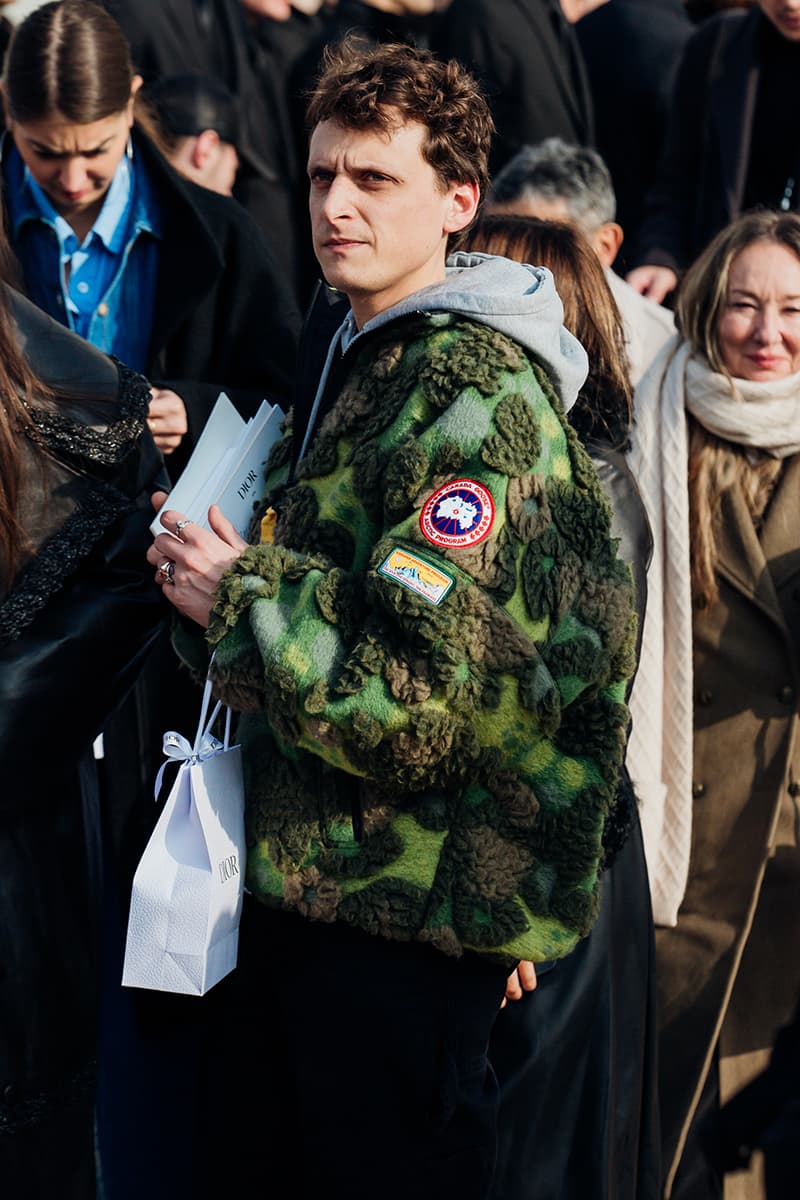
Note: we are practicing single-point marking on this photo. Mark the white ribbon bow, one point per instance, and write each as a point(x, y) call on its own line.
point(178, 748)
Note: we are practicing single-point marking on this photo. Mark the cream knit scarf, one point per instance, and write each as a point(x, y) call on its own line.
point(759, 415)
point(764, 416)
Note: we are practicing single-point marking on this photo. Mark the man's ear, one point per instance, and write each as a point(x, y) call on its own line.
point(464, 201)
point(607, 239)
point(206, 144)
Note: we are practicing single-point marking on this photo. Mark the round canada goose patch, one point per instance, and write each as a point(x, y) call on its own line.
point(457, 515)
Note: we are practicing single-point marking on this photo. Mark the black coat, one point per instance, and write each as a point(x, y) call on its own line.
point(529, 61)
point(214, 38)
point(703, 170)
point(632, 49)
point(74, 626)
point(224, 316)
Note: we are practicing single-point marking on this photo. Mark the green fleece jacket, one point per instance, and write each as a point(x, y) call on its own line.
point(431, 656)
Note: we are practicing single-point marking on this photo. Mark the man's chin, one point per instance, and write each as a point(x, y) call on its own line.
point(338, 276)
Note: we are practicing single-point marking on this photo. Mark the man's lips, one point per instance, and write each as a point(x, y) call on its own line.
point(340, 243)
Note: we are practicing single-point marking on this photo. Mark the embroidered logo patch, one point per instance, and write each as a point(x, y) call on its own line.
point(417, 575)
point(458, 515)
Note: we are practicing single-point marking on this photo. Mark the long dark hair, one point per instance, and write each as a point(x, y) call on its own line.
point(18, 385)
point(70, 58)
point(603, 408)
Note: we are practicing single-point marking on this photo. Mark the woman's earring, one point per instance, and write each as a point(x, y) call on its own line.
point(129, 147)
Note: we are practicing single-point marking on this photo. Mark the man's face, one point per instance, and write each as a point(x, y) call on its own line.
point(380, 215)
point(784, 15)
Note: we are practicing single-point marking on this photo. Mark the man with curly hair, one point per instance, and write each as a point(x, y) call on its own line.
point(429, 644)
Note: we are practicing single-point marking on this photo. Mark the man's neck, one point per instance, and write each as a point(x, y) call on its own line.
point(366, 308)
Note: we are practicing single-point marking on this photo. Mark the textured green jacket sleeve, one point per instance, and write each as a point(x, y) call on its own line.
point(495, 669)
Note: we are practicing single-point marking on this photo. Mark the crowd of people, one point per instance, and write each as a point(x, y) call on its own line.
point(513, 646)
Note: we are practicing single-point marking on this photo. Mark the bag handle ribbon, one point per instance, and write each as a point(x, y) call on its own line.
point(178, 748)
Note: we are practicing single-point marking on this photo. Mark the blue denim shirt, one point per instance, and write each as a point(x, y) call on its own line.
point(110, 296)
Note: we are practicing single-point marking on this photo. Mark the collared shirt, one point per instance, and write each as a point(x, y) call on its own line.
point(103, 287)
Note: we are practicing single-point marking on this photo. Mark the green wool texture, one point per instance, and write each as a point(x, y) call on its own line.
point(432, 733)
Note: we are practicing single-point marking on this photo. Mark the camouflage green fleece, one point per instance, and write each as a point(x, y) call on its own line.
point(432, 735)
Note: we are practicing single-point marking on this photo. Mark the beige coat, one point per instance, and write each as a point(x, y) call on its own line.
point(730, 970)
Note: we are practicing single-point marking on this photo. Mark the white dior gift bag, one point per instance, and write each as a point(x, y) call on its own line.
point(186, 900)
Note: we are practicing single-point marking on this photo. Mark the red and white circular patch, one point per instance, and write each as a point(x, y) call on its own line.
point(458, 515)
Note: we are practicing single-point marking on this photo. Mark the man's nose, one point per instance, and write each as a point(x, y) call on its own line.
point(339, 198)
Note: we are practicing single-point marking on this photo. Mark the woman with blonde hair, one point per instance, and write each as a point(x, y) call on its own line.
point(717, 452)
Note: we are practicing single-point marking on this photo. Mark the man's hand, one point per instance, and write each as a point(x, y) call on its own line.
point(167, 419)
point(199, 559)
point(653, 282)
point(523, 979)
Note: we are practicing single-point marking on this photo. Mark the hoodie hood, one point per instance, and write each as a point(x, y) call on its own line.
point(518, 300)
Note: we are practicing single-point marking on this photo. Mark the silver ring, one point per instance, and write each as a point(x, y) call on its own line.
point(179, 525)
point(167, 570)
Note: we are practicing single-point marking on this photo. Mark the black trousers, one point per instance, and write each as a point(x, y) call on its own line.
point(350, 1065)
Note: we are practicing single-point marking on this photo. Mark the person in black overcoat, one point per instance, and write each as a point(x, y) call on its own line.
point(527, 57)
point(730, 145)
point(632, 49)
point(215, 38)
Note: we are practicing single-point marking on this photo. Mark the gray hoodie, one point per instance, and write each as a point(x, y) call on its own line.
point(518, 300)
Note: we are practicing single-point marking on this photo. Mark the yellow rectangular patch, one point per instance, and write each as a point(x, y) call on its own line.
point(417, 575)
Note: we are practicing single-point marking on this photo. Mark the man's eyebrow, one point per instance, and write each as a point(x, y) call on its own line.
point(366, 168)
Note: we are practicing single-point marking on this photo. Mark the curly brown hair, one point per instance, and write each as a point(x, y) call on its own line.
point(364, 86)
